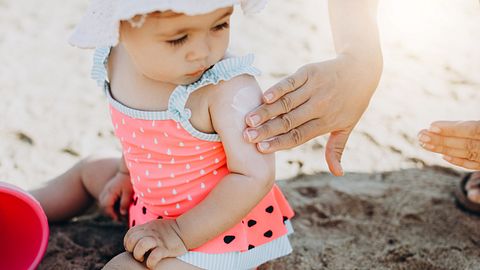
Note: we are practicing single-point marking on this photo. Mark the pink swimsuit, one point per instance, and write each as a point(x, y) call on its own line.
point(173, 167)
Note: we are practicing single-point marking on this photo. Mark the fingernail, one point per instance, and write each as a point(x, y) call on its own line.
point(254, 120)
point(252, 134)
point(447, 158)
point(268, 97)
point(425, 138)
point(428, 146)
point(434, 129)
point(264, 146)
point(123, 212)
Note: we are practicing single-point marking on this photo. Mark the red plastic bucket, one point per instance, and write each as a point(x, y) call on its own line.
point(23, 229)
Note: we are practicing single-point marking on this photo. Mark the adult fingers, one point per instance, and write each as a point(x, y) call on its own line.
point(280, 125)
point(277, 94)
point(294, 137)
point(125, 201)
point(144, 245)
point(437, 142)
point(284, 104)
point(461, 129)
point(465, 163)
point(155, 257)
point(452, 152)
point(334, 150)
point(289, 84)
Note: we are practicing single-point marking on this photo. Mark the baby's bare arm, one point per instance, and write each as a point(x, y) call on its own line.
point(251, 175)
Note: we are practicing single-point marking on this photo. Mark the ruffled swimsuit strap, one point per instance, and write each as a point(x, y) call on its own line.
point(99, 68)
point(224, 70)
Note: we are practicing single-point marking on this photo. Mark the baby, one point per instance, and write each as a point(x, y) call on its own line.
point(197, 195)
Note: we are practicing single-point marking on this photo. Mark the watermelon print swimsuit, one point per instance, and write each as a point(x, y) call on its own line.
point(173, 167)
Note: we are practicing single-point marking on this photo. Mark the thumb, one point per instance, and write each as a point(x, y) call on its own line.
point(334, 150)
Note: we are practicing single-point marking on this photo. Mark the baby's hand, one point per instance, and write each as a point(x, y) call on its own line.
point(159, 237)
point(118, 190)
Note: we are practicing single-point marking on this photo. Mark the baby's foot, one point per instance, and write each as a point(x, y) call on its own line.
point(472, 187)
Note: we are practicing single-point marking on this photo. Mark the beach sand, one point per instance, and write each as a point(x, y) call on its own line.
point(392, 220)
point(393, 209)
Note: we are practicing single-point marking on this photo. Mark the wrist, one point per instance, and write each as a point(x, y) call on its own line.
point(177, 227)
point(367, 68)
point(122, 167)
point(364, 57)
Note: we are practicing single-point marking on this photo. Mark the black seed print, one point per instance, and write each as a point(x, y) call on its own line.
point(228, 239)
point(159, 217)
point(284, 219)
point(144, 210)
point(268, 234)
point(133, 223)
point(269, 209)
point(250, 247)
point(135, 201)
point(251, 223)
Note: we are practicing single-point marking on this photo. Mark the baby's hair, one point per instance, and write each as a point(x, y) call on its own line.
point(139, 20)
point(138, 23)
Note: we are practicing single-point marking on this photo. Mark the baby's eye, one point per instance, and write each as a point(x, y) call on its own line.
point(220, 27)
point(178, 42)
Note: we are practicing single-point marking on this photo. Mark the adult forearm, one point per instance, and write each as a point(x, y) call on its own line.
point(230, 201)
point(355, 30)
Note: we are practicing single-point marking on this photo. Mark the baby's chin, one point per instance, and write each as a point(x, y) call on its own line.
point(189, 79)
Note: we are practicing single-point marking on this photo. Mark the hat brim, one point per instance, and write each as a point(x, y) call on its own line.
point(99, 27)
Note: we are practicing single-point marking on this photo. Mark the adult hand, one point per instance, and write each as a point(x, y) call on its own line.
point(326, 97)
point(457, 141)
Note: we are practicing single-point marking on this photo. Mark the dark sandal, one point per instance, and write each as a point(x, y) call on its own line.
point(462, 200)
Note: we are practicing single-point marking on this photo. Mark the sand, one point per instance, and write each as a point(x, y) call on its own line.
point(392, 220)
point(393, 209)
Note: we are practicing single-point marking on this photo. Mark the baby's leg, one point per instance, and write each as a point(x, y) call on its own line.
point(125, 261)
point(75, 190)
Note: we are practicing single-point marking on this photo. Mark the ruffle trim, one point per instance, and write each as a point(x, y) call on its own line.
point(224, 70)
point(242, 260)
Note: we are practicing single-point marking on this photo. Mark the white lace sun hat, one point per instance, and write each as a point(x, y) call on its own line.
point(99, 27)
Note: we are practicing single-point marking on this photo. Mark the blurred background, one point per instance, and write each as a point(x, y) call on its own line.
point(52, 113)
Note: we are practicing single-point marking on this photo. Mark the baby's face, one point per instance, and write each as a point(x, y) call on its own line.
point(176, 48)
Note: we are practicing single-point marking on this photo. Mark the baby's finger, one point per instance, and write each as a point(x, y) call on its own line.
point(467, 164)
point(155, 257)
point(144, 245)
point(452, 152)
point(462, 129)
point(132, 237)
point(125, 201)
point(107, 202)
